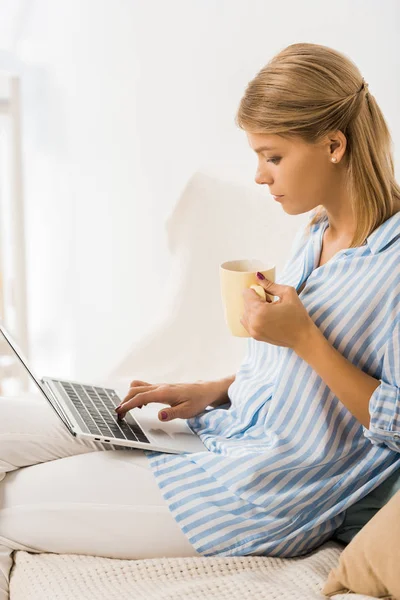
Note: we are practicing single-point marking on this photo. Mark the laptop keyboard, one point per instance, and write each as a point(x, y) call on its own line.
point(95, 406)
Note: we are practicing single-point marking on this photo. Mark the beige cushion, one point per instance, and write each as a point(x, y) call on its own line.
point(370, 564)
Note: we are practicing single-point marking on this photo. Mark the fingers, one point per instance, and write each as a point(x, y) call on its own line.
point(136, 402)
point(134, 399)
point(167, 414)
point(137, 382)
point(138, 397)
point(134, 389)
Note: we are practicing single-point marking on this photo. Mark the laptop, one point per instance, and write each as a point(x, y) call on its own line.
point(87, 411)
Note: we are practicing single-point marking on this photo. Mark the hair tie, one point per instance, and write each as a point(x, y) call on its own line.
point(364, 86)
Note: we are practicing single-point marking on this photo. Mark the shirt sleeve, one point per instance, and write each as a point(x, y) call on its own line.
point(384, 404)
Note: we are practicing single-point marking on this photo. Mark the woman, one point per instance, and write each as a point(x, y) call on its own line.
point(310, 424)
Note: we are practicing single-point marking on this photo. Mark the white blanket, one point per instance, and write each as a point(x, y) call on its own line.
point(73, 577)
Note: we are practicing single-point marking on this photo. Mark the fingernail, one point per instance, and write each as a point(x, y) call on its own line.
point(164, 415)
point(260, 275)
point(117, 407)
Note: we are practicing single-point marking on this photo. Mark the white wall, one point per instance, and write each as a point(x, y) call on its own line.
point(123, 101)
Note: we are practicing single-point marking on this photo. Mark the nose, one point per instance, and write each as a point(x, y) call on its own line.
point(263, 177)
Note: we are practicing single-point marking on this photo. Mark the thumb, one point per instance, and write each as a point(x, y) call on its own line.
point(166, 414)
point(274, 289)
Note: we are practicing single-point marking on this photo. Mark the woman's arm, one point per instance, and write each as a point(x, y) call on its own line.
point(222, 387)
point(374, 402)
point(219, 390)
point(352, 386)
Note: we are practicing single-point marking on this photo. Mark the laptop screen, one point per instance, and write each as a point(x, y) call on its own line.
point(14, 379)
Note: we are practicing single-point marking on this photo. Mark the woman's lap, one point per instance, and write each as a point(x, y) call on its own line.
point(103, 503)
point(74, 496)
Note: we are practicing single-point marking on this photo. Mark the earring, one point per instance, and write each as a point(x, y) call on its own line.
point(334, 159)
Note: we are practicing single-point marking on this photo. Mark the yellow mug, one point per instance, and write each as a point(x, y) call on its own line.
point(236, 276)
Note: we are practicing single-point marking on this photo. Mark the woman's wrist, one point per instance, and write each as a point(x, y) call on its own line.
point(218, 391)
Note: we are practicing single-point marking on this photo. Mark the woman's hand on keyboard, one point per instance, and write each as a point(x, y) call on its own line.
point(186, 400)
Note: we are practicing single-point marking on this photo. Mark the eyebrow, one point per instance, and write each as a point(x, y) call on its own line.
point(257, 150)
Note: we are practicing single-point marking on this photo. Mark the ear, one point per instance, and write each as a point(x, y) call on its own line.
point(337, 144)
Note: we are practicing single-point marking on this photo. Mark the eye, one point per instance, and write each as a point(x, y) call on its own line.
point(274, 159)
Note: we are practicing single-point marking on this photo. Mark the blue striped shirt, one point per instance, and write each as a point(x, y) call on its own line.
point(286, 458)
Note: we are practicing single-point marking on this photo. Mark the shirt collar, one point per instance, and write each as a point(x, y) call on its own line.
point(385, 234)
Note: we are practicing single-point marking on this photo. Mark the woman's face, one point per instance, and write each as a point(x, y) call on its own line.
point(303, 173)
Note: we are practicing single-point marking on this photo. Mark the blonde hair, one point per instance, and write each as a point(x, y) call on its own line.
point(309, 90)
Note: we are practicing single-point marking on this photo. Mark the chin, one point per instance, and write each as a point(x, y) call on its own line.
point(292, 210)
point(295, 210)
